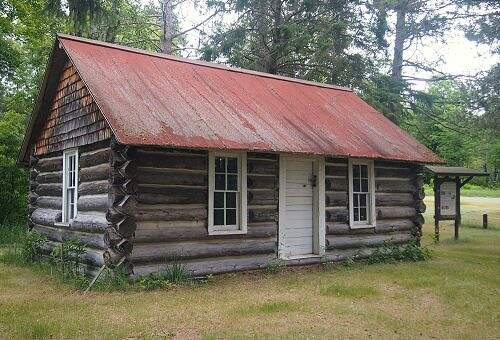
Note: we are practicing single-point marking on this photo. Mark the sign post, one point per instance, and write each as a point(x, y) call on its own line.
point(447, 184)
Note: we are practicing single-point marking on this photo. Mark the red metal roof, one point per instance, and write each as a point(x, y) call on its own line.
point(155, 99)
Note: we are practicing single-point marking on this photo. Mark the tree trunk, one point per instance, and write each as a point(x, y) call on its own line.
point(397, 61)
point(167, 26)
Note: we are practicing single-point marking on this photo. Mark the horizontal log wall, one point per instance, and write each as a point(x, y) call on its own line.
point(171, 214)
point(398, 201)
point(73, 118)
point(46, 201)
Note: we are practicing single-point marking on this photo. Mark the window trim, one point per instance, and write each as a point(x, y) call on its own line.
point(242, 215)
point(66, 154)
point(371, 185)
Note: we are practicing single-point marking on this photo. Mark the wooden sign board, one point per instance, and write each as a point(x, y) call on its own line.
point(448, 200)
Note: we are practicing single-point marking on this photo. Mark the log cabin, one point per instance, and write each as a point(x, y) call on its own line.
point(148, 159)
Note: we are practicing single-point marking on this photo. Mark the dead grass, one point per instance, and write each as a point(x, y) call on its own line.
point(453, 295)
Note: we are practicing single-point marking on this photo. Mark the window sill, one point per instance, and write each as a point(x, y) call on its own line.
point(362, 226)
point(61, 224)
point(212, 232)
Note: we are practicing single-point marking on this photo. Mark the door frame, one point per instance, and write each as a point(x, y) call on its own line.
point(318, 204)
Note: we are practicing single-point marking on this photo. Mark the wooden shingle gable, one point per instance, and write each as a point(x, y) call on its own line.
point(73, 118)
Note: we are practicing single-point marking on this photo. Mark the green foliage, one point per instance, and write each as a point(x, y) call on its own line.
point(31, 247)
point(66, 257)
point(176, 273)
point(390, 253)
point(274, 266)
point(12, 233)
point(311, 40)
point(153, 282)
point(14, 187)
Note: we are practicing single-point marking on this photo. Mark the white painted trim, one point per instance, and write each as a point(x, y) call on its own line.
point(371, 184)
point(282, 205)
point(321, 234)
point(66, 154)
point(318, 205)
point(242, 213)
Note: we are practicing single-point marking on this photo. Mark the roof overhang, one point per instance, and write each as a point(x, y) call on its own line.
point(454, 171)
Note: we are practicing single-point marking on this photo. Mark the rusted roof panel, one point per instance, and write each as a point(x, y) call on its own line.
point(153, 99)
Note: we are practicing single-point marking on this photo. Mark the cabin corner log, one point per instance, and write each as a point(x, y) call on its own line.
point(121, 203)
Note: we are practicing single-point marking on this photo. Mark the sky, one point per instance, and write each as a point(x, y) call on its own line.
point(457, 55)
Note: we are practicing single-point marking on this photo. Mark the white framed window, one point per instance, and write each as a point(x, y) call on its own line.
point(70, 185)
point(227, 197)
point(361, 193)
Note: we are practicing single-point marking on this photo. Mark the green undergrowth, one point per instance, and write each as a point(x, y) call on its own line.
point(392, 253)
point(64, 264)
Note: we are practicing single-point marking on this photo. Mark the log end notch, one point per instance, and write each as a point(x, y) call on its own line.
point(122, 200)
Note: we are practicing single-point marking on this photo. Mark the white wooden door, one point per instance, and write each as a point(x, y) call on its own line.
point(298, 234)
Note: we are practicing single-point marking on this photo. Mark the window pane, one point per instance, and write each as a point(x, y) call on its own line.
point(362, 214)
point(218, 200)
point(355, 171)
point(355, 200)
point(232, 182)
point(355, 185)
point(364, 185)
point(362, 200)
point(71, 195)
point(220, 164)
point(220, 182)
point(356, 214)
point(232, 165)
point(218, 216)
point(230, 216)
point(230, 200)
point(364, 171)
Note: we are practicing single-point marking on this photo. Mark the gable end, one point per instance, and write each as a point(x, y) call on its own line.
point(73, 117)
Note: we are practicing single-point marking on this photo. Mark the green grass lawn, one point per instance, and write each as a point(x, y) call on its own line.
point(470, 190)
point(455, 294)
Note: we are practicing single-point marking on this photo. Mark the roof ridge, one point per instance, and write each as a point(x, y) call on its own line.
point(201, 63)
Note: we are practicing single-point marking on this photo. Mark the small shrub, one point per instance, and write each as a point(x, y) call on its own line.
point(176, 273)
point(67, 257)
point(152, 282)
point(274, 266)
point(390, 253)
point(31, 246)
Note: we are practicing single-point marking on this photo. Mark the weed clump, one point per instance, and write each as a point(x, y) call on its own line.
point(391, 253)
